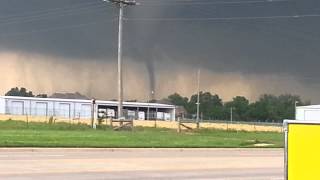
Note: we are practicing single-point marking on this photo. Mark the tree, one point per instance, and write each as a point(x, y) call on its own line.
point(286, 106)
point(23, 92)
point(240, 108)
point(132, 100)
point(19, 92)
point(178, 100)
point(42, 96)
point(211, 106)
point(268, 107)
point(274, 108)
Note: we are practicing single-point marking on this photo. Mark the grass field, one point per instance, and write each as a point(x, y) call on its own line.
point(21, 134)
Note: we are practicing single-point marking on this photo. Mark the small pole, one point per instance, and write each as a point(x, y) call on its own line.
point(179, 124)
point(93, 102)
point(198, 100)
point(231, 114)
point(132, 126)
point(295, 109)
point(27, 121)
point(148, 109)
point(155, 119)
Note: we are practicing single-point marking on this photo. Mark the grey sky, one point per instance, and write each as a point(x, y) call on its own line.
point(258, 55)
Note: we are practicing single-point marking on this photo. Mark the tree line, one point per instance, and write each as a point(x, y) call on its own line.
point(23, 92)
point(267, 108)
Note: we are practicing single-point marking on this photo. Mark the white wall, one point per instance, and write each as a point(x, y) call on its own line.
point(2, 106)
point(312, 115)
point(308, 114)
point(299, 114)
point(58, 107)
point(45, 108)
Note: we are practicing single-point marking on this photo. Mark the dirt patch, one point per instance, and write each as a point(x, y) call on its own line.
point(263, 145)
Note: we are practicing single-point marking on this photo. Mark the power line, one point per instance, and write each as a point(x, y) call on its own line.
point(44, 17)
point(47, 11)
point(187, 3)
point(168, 0)
point(85, 7)
point(226, 18)
point(54, 28)
point(47, 14)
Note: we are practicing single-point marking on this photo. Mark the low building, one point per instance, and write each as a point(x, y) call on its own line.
point(308, 113)
point(83, 109)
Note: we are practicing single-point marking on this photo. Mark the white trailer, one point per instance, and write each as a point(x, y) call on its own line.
point(308, 113)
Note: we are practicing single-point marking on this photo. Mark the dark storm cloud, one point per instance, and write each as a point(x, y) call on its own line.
point(246, 46)
point(82, 30)
point(92, 40)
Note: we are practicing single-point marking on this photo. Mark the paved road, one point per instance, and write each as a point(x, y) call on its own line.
point(158, 164)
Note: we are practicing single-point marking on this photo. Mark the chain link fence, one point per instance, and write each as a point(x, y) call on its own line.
point(85, 116)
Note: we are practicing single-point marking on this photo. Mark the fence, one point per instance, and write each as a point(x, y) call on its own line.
point(65, 113)
point(154, 120)
point(83, 113)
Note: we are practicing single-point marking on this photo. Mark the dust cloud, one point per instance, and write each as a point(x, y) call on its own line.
point(97, 78)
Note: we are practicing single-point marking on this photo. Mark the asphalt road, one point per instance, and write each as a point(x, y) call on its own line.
point(158, 164)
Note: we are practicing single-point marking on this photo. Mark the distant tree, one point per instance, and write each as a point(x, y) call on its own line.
point(268, 107)
point(19, 92)
point(211, 106)
point(274, 108)
point(178, 100)
point(240, 108)
point(152, 101)
point(305, 103)
point(42, 96)
point(265, 108)
point(132, 100)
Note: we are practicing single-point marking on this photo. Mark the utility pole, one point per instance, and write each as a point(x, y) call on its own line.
point(121, 4)
point(198, 101)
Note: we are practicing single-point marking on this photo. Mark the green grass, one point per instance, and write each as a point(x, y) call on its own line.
point(19, 134)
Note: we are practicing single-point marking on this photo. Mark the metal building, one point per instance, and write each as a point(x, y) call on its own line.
point(83, 109)
point(308, 113)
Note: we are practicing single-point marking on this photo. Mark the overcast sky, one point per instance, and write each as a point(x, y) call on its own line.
point(71, 45)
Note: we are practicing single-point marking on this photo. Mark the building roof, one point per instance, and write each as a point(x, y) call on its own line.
point(309, 107)
point(75, 95)
point(99, 102)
